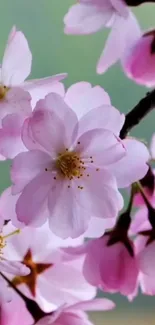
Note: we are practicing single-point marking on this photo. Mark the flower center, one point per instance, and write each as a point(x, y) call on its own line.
point(3, 91)
point(69, 165)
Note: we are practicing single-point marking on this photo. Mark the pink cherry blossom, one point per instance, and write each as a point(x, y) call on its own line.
point(63, 171)
point(75, 314)
point(89, 16)
point(52, 281)
point(110, 268)
point(141, 68)
point(17, 96)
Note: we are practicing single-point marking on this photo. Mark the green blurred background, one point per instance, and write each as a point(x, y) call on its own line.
point(53, 52)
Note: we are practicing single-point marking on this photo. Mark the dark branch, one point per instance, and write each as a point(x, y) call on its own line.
point(31, 305)
point(146, 105)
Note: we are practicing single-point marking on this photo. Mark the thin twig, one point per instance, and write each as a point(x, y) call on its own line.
point(145, 106)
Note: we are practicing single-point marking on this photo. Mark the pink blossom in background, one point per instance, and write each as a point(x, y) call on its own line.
point(89, 16)
point(52, 280)
point(110, 268)
point(75, 314)
point(17, 96)
point(141, 68)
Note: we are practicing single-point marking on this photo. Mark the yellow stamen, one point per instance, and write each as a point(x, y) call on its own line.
point(12, 233)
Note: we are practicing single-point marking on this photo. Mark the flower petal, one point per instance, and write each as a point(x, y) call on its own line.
point(55, 104)
point(16, 101)
point(102, 145)
point(26, 166)
point(128, 32)
point(10, 136)
point(48, 130)
point(66, 218)
point(14, 267)
point(31, 206)
point(147, 260)
point(16, 64)
point(104, 117)
point(82, 97)
point(100, 190)
point(133, 166)
point(7, 207)
point(98, 304)
point(87, 19)
point(39, 88)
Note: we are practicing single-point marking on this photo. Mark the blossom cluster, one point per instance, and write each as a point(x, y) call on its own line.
point(69, 162)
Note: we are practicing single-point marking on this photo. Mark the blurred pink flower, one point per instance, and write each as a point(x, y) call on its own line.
point(52, 281)
point(15, 94)
point(75, 314)
point(139, 59)
point(89, 16)
point(112, 268)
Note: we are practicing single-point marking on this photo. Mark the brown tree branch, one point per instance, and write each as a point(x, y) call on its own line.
point(145, 106)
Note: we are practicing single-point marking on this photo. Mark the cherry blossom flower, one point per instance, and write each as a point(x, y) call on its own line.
point(73, 169)
point(52, 280)
point(141, 68)
point(76, 313)
point(73, 155)
point(89, 16)
point(110, 267)
point(17, 96)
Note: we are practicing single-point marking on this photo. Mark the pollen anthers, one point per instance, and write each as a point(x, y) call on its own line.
point(3, 239)
point(69, 165)
point(3, 91)
point(2, 243)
